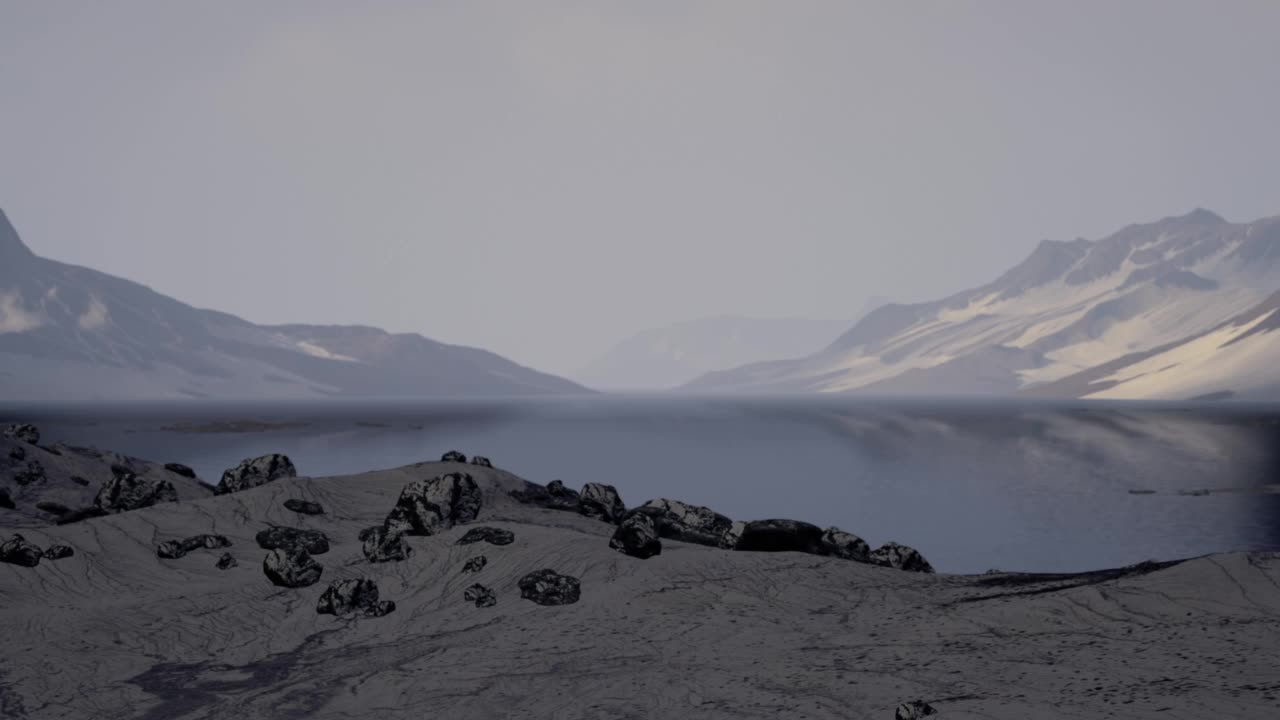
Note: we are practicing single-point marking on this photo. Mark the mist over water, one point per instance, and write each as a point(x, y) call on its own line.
point(974, 486)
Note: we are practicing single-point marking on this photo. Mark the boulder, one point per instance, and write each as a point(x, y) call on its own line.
point(601, 502)
point(481, 461)
point(482, 596)
point(491, 535)
point(914, 710)
point(174, 549)
point(291, 568)
point(429, 506)
point(84, 513)
point(353, 597)
point(53, 508)
point(6, 500)
point(58, 552)
point(382, 545)
point(79, 480)
point(257, 471)
point(305, 507)
point(17, 551)
point(475, 564)
point(555, 496)
point(226, 562)
point(126, 491)
point(180, 469)
point(846, 546)
point(637, 537)
point(24, 432)
point(17, 452)
point(695, 524)
point(32, 473)
point(780, 536)
point(548, 587)
point(900, 557)
point(453, 456)
point(313, 541)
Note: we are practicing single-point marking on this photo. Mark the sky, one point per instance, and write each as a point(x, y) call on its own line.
point(544, 179)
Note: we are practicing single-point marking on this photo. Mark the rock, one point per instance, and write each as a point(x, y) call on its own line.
point(475, 564)
point(291, 568)
point(6, 500)
point(491, 535)
point(257, 471)
point(484, 597)
point(53, 508)
point(25, 432)
point(33, 473)
point(428, 506)
point(383, 545)
point(52, 450)
point(555, 496)
point(914, 710)
point(17, 551)
point(695, 524)
point(353, 597)
point(900, 557)
point(313, 541)
point(174, 549)
point(58, 552)
point(81, 514)
point(306, 507)
point(227, 561)
point(126, 491)
point(17, 453)
point(453, 456)
point(481, 461)
point(847, 546)
point(180, 469)
point(637, 537)
point(547, 587)
point(601, 502)
point(780, 536)
point(79, 480)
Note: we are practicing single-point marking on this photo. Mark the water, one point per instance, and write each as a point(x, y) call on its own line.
point(1012, 485)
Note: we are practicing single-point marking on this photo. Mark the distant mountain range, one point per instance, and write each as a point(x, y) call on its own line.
point(1179, 308)
point(70, 333)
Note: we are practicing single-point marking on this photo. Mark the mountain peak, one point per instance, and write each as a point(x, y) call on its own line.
point(1200, 215)
point(11, 245)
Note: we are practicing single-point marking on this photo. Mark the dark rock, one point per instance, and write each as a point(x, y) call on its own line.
point(481, 461)
point(257, 471)
point(17, 453)
point(17, 551)
point(491, 535)
point(58, 552)
point(306, 507)
point(383, 545)
point(313, 541)
point(483, 597)
point(429, 506)
point(475, 564)
point(174, 549)
point(180, 469)
point(547, 587)
point(84, 513)
point(914, 710)
point(601, 502)
point(227, 561)
point(695, 524)
point(353, 597)
point(33, 473)
point(126, 491)
point(637, 537)
point(6, 500)
point(780, 536)
point(900, 557)
point(291, 568)
point(847, 546)
point(22, 431)
point(453, 456)
point(52, 450)
point(79, 480)
point(555, 496)
point(53, 508)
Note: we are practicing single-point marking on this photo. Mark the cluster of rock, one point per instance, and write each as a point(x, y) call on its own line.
point(174, 549)
point(548, 587)
point(303, 507)
point(254, 472)
point(291, 568)
point(353, 597)
point(426, 507)
point(126, 491)
point(491, 535)
point(314, 542)
point(382, 545)
point(914, 710)
point(456, 457)
point(22, 432)
point(481, 595)
point(641, 530)
point(17, 550)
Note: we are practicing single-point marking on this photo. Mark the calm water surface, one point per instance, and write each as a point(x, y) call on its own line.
point(1015, 486)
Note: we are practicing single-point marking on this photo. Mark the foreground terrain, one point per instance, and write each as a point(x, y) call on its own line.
point(115, 631)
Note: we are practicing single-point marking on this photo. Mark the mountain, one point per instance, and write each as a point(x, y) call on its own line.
point(71, 333)
point(669, 356)
point(1068, 308)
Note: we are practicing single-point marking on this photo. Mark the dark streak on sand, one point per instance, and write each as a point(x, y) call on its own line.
point(1063, 581)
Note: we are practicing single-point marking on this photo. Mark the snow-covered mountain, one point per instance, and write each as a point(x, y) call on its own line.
point(70, 333)
point(663, 358)
point(1068, 308)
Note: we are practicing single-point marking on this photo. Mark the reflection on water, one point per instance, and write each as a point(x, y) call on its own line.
point(1015, 486)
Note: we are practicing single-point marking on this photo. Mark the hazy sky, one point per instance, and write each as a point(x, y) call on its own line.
point(545, 178)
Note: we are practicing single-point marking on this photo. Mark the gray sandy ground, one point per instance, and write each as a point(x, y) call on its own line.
point(115, 632)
